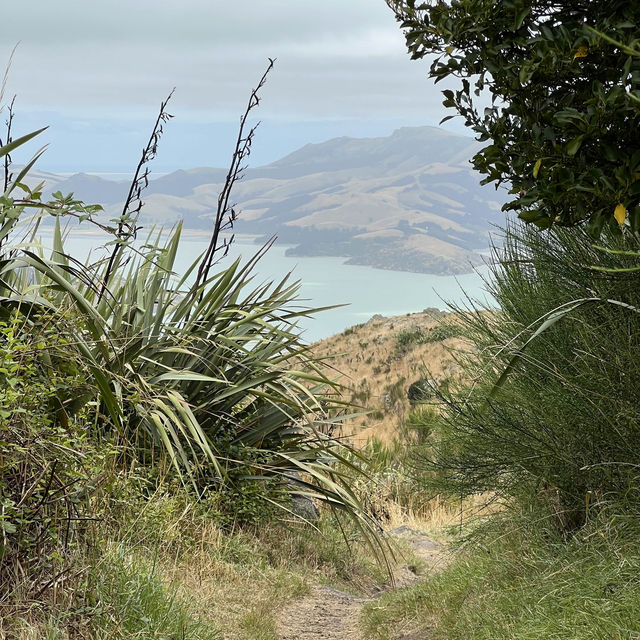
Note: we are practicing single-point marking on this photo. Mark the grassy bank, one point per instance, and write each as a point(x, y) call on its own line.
point(522, 584)
point(165, 568)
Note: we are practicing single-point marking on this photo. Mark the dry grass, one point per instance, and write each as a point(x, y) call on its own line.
point(238, 582)
point(377, 370)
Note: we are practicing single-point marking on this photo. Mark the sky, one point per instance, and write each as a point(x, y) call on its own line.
point(96, 72)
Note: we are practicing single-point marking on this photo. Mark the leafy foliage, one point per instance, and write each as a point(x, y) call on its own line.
point(562, 80)
point(118, 365)
point(49, 466)
point(211, 377)
point(214, 376)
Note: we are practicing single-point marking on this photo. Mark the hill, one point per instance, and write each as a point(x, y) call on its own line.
point(408, 202)
point(381, 359)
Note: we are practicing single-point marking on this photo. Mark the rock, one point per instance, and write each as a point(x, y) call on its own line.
point(434, 312)
point(304, 507)
point(301, 505)
point(421, 391)
point(418, 540)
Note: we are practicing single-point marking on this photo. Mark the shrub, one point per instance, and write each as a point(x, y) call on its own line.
point(418, 335)
point(413, 335)
point(49, 464)
point(564, 421)
point(208, 379)
point(421, 391)
point(418, 426)
point(553, 72)
point(201, 379)
point(442, 331)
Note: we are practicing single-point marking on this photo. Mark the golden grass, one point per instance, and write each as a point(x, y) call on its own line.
point(377, 371)
point(238, 582)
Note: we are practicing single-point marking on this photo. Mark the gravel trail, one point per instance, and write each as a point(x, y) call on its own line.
point(329, 614)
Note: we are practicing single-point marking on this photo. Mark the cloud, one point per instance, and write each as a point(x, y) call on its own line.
point(192, 21)
point(335, 58)
point(97, 72)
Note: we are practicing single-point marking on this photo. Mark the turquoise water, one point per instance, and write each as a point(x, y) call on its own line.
point(329, 281)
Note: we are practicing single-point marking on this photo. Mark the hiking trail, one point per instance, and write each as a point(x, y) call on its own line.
point(330, 614)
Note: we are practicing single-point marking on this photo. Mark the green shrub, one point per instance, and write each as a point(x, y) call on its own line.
point(442, 331)
point(417, 335)
point(49, 463)
point(418, 427)
point(564, 421)
point(413, 335)
point(123, 367)
point(211, 382)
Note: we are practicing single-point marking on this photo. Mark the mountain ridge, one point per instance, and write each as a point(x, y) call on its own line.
point(409, 201)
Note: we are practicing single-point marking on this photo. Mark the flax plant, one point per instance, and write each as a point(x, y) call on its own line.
point(209, 379)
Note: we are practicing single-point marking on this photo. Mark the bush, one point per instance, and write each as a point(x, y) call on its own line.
point(413, 335)
point(418, 335)
point(553, 408)
point(49, 464)
point(201, 379)
point(561, 125)
point(418, 427)
point(211, 381)
point(421, 391)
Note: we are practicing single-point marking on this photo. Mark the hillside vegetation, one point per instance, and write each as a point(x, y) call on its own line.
point(380, 360)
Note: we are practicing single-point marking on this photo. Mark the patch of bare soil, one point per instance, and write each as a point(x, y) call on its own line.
point(326, 614)
point(329, 614)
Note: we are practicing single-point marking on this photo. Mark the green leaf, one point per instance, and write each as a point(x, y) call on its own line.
point(8, 148)
point(520, 17)
point(574, 145)
point(530, 215)
point(17, 182)
point(7, 527)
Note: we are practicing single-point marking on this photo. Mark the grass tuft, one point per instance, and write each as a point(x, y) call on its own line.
point(521, 585)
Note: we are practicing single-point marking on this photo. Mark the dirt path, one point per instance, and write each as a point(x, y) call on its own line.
point(329, 614)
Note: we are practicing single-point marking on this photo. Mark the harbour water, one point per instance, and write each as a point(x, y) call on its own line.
point(364, 291)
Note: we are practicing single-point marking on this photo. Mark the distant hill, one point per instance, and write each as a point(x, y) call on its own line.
point(381, 359)
point(410, 201)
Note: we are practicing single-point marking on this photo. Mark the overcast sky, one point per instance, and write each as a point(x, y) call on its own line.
point(96, 71)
